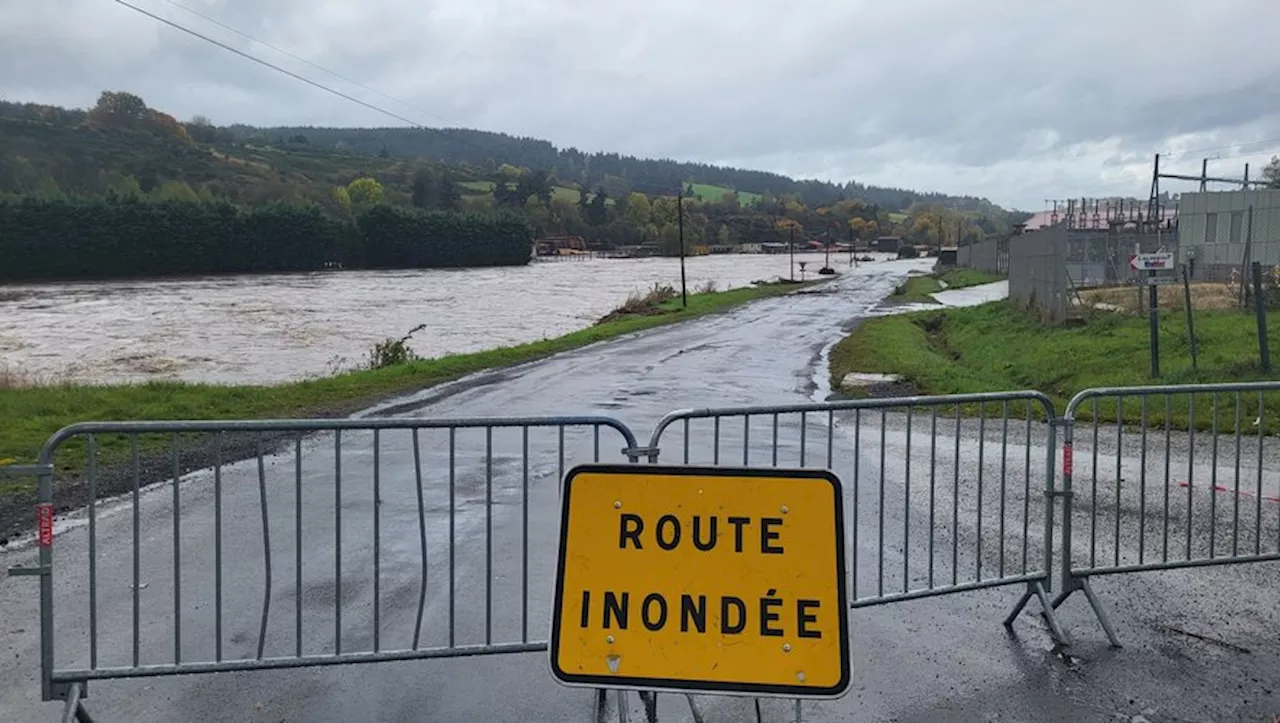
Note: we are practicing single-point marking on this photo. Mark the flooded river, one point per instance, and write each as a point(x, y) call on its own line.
point(281, 327)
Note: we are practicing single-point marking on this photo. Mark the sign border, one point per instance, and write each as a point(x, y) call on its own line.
point(695, 686)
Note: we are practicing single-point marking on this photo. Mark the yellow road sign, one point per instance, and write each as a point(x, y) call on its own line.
point(702, 579)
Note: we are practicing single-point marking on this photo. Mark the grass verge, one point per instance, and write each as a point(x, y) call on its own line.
point(995, 347)
point(29, 415)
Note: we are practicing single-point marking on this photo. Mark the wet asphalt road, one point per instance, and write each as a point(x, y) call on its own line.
point(943, 658)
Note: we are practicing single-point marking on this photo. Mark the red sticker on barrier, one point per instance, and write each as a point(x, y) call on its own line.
point(44, 522)
point(1066, 459)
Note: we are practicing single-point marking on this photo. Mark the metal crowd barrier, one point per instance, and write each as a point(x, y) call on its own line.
point(1209, 495)
point(307, 535)
point(932, 512)
point(279, 544)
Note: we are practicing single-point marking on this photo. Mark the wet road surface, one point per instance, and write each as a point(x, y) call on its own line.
point(1201, 644)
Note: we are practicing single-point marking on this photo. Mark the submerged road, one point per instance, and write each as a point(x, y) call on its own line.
point(1202, 644)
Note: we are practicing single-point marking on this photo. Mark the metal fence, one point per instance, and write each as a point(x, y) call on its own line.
point(1101, 258)
point(939, 501)
point(1147, 497)
point(990, 255)
point(283, 544)
point(308, 537)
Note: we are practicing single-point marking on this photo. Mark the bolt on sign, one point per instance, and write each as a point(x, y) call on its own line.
point(716, 580)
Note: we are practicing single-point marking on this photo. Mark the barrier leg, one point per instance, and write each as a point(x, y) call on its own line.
point(1050, 617)
point(1083, 584)
point(1062, 597)
point(1102, 615)
point(650, 700)
point(1017, 609)
point(624, 714)
point(694, 710)
point(74, 709)
point(600, 706)
point(1036, 590)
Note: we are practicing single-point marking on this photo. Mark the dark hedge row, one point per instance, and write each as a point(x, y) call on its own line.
point(104, 238)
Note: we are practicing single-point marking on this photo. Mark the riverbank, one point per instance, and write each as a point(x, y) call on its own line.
point(919, 289)
point(28, 416)
point(995, 347)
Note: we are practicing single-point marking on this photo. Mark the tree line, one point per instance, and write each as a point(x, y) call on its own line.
point(104, 238)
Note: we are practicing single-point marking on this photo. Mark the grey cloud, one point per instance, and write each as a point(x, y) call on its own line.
point(1003, 98)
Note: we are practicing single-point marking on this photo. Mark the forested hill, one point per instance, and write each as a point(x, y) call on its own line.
point(617, 174)
point(122, 149)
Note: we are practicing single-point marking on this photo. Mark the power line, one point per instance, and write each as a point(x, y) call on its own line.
point(270, 65)
point(1274, 141)
point(303, 60)
point(653, 187)
point(247, 56)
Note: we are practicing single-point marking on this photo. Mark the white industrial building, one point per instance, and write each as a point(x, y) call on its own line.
point(1214, 228)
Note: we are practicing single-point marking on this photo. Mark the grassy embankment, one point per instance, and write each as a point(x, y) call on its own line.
point(29, 415)
point(995, 347)
point(917, 289)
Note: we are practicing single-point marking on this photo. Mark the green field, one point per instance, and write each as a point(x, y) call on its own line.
point(995, 347)
point(896, 217)
point(713, 194)
point(29, 415)
point(477, 188)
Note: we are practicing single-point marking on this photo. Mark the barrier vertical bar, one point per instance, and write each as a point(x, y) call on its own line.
point(137, 545)
point(1050, 471)
point(217, 545)
point(524, 535)
point(982, 449)
point(377, 541)
point(857, 483)
point(880, 506)
point(804, 427)
point(266, 548)
point(1068, 424)
point(1119, 470)
point(1026, 492)
point(297, 543)
point(422, 537)
point(933, 482)
point(453, 539)
point(1235, 507)
point(1004, 469)
point(337, 542)
point(488, 532)
point(906, 511)
point(1168, 472)
point(44, 525)
point(1142, 487)
point(93, 552)
point(1257, 498)
point(955, 507)
point(177, 554)
point(1213, 480)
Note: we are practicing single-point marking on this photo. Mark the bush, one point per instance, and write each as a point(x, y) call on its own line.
point(393, 352)
point(397, 237)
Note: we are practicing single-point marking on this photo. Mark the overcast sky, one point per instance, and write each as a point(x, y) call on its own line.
point(1015, 100)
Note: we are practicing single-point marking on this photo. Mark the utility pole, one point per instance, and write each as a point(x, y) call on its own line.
point(684, 289)
point(791, 248)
